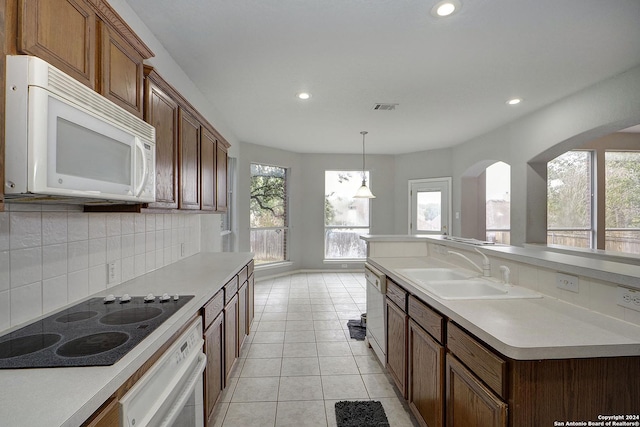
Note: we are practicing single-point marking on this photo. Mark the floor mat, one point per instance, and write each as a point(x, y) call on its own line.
point(356, 330)
point(368, 413)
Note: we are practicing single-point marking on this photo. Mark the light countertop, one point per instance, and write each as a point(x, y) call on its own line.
point(68, 396)
point(526, 329)
point(627, 274)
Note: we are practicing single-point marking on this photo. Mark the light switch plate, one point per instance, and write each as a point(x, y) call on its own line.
point(567, 282)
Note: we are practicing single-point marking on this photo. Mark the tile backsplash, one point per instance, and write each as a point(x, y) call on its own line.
point(51, 256)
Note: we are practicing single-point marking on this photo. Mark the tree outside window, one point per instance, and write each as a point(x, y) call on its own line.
point(268, 213)
point(569, 221)
point(571, 199)
point(622, 189)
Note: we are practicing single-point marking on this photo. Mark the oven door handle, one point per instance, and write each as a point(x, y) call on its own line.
point(185, 393)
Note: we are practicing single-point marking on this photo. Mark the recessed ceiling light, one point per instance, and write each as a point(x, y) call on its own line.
point(514, 101)
point(303, 95)
point(445, 8)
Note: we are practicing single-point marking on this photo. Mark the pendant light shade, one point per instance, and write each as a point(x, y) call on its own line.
point(364, 192)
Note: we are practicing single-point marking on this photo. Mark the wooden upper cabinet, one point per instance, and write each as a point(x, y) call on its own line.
point(208, 170)
point(121, 71)
point(189, 151)
point(221, 175)
point(119, 56)
point(89, 41)
point(63, 33)
point(161, 111)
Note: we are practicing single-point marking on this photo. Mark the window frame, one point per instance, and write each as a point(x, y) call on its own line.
point(349, 227)
point(597, 230)
point(286, 226)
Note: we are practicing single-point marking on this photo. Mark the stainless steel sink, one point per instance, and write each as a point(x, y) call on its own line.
point(451, 284)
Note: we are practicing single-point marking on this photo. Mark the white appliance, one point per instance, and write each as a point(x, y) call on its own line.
point(66, 143)
point(170, 393)
point(376, 291)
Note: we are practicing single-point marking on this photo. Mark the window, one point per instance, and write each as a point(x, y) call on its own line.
point(345, 218)
point(268, 213)
point(226, 221)
point(622, 189)
point(569, 218)
point(498, 202)
point(572, 200)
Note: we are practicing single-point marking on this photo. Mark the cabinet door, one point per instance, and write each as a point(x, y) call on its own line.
point(208, 171)
point(397, 345)
point(214, 372)
point(242, 314)
point(189, 145)
point(230, 335)
point(63, 33)
point(469, 402)
point(221, 177)
point(425, 382)
point(250, 297)
point(121, 71)
point(162, 112)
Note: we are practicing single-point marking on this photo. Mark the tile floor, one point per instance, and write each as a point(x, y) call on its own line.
point(299, 359)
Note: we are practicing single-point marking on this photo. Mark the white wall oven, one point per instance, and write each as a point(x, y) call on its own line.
point(170, 393)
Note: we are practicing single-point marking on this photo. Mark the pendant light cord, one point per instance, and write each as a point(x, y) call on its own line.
point(364, 132)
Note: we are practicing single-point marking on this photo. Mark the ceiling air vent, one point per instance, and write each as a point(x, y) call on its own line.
point(385, 107)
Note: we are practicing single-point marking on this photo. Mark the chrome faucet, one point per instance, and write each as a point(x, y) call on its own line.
point(486, 265)
point(505, 274)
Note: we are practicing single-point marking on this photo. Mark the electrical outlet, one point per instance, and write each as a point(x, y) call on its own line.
point(567, 282)
point(181, 250)
point(344, 266)
point(112, 275)
point(628, 298)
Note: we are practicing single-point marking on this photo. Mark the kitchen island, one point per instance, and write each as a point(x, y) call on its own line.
point(68, 396)
point(509, 362)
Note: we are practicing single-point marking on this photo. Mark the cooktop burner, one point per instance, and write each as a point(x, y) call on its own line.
point(91, 333)
point(92, 344)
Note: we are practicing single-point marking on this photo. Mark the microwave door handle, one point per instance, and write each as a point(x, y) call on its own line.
point(145, 167)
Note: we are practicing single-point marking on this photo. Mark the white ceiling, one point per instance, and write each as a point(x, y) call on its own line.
point(451, 77)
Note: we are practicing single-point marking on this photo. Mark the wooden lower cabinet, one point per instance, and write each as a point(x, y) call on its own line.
point(397, 345)
point(452, 378)
point(469, 402)
point(243, 323)
point(107, 416)
point(251, 296)
point(230, 335)
point(214, 371)
point(425, 379)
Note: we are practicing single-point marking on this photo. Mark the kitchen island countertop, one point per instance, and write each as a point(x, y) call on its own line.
point(526, 329)
point(68, 396)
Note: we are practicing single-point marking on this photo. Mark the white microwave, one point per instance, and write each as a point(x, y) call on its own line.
point(66, 143)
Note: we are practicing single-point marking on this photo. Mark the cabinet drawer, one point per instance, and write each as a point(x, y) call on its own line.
point(213, 308)
point(243, 275)
point(230, 289)
point(425, 316)
point(485, 364)
point(250, 266)
point(396, 294)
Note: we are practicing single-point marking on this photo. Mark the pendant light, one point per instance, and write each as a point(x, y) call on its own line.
point(364, 192)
